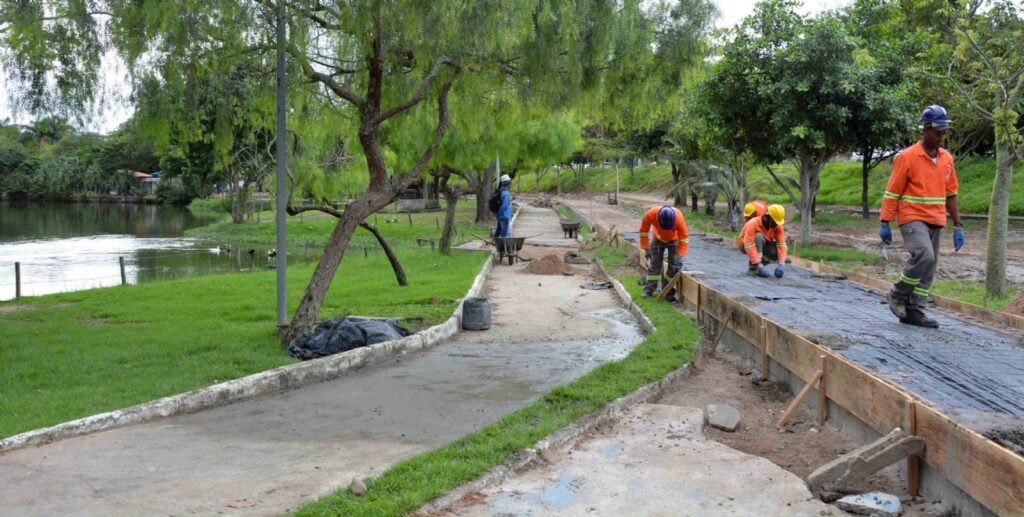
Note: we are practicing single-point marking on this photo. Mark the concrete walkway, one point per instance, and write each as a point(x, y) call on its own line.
point(278, 452)
point(654, 462)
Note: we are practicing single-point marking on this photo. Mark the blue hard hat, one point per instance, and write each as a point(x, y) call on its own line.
point(667, 217)
point(935, 116)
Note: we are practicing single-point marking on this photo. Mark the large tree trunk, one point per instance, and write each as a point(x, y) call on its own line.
point(998, 217)
point(865, 170)
point(679, 191)
point(396, 266)
point(237, 216)
point(451, 197)
point(805, 207)
point(483, 193)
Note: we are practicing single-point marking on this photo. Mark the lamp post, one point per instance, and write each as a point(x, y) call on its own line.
point(282, 243)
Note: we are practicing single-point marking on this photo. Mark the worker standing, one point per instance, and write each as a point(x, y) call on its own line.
point(671, 240)
point(504, 213)
point(921, 190)
point(755, 208)
point(764, 240)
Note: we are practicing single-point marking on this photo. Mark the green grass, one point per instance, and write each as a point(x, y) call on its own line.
point(836, 256)
point(76, 354)
point(414, 482)
point(973, 292)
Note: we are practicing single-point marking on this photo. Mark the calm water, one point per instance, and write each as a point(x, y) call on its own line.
point(69, 246)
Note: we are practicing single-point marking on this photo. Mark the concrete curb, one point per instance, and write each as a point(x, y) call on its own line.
point(574, 431)
point(278, 379)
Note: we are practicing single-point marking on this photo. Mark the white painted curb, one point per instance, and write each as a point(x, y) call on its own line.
point(275, 380)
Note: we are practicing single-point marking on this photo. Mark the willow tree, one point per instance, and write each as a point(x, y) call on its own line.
point(374, 61)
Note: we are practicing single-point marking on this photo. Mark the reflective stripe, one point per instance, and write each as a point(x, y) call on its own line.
point(920, 292)
point(891, 195)
point(909, 280)
point(685, 240)
point(749, 245)
point(783, 245)
point(915, 199)
point(653, 277)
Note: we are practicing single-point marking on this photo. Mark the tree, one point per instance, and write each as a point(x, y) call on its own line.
point(785, 88)
point(985, 65)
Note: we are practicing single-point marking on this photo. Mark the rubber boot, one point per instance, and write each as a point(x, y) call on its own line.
point(917, 317)
point(897, 305)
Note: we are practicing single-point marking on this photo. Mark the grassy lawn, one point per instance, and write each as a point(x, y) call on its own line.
point(414, 482)
point(71, 355)
point(839, 257)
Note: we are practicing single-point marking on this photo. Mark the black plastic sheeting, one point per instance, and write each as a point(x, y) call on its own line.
point(341, 335)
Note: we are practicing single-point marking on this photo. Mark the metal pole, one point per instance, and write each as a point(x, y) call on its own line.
point(17, 280)
point(282, 243)
point(124, 278)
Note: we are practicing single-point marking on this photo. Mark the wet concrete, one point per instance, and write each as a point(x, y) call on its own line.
point(278, 452)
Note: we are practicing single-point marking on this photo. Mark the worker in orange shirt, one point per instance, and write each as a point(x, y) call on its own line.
point(764, 241)
point(755, 208)
point(921, 189)
point(671, 240)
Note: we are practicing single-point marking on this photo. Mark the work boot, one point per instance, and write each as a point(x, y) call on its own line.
point(917, 317)
point(897, 305)
point(647, 292)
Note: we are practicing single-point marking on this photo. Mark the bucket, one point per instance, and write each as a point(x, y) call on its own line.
point(476, 314)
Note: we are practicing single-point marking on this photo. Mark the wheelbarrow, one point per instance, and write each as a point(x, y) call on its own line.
point(570, 228)
point(509, 247)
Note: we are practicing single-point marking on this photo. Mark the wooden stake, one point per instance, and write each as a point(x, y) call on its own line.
point(799, 398)
point(17, 280)
point(822, 398)
point(721, 332)
point(913, 461)
point(124, 279)
point(764, 351)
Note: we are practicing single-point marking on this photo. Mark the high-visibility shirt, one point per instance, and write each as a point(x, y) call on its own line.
point(676, 233)
point(918, 187)
point(760, 208)
point(749, 238)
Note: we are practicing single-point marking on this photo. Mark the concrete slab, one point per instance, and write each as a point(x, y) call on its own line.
point(278, 452)
point(655, 461)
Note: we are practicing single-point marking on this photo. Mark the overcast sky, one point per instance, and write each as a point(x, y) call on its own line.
point(114, 109)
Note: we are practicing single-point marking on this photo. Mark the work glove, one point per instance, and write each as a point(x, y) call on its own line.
point(679, 263)
point(778, 271)
point(763, 272)
point(958, 238)
point(885, 233)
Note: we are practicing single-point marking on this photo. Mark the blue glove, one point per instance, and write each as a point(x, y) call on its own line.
point(778, 271)
point(958, 238)
point(885, 233)
point(679, 263)
point(763, 272)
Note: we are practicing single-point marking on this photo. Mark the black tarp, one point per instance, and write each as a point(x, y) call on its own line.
point(342, 335)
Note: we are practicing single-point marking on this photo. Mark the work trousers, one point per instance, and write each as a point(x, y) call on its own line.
point(922, 241)
point(660, 251)
point(768, 250)
point(503, 228)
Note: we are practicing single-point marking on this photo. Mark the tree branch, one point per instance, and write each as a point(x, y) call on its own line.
point(782, 184)
point(326, 79)
point(421, 92)
point(439, 131)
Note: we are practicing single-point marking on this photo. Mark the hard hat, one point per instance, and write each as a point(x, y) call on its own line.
point(749, 209)
point(935, 117)
point(667, 217)
point(778, 214)
point(505, 178)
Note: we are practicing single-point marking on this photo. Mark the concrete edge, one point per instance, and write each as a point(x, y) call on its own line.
point(278, 379)
point(559, 439)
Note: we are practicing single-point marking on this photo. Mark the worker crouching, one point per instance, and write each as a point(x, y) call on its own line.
point(764, 241)
point(671, 240)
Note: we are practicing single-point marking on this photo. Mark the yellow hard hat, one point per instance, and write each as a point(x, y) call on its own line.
point(749, 209)
point(778, 214)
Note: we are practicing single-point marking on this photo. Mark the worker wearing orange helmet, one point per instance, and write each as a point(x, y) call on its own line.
point(764, 240)
point(671, 239)
point(755, 208)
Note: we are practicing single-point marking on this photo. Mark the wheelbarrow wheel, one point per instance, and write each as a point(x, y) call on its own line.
point(510, 259)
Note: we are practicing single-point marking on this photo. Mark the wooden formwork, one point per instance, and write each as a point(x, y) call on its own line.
point(981, 468)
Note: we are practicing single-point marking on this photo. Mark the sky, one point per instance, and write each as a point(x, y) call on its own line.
point(115, 109)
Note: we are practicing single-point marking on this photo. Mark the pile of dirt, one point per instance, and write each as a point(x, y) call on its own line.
point(548, 265)
point(1016, 307)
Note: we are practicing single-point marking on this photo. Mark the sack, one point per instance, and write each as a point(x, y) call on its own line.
point(494, 203)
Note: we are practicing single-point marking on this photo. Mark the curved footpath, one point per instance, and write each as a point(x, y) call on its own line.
point(279, 451)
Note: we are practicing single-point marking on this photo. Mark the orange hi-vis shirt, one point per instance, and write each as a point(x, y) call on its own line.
point(918, 187)
point(678, 233)
point(760, 208)
point(749, 236)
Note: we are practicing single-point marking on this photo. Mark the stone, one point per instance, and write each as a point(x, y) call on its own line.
point(723, 416)
point(864, 461)
point(872, 503)
point(357, 486)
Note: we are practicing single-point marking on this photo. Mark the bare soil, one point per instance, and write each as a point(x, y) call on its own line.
point(548, 265)
point(1016, 307)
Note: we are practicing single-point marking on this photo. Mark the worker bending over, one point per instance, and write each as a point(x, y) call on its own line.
point(755, 208)
point(764, 241)
point(670, 239)
point(921, 189)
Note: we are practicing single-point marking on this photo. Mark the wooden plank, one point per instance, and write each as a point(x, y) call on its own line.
point(982, 468)
point(914, 460)
point(800, 396)
point(822, 397)
point(764, 351)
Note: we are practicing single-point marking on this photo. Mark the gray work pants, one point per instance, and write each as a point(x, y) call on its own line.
point(768, 250)
point(922, 241)
point(658, 249)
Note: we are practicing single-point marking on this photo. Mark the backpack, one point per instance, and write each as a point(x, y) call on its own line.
point(494, 202)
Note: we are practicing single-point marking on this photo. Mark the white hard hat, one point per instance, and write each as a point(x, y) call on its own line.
point(505, 178)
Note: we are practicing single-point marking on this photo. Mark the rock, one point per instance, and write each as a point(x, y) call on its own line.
point(746, 367)
point(357, 486)
point(871, 503)
point(723, 416)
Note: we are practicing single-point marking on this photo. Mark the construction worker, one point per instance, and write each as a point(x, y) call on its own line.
point(764, 241)
point(755, 208)
point(504, 213)
point(671, 239)
point(921, 189)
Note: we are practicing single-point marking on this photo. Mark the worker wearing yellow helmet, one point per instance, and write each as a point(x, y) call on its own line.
point(764, 241)
point(755, 208)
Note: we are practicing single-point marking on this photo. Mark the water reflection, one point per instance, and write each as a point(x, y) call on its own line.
point(69, 247)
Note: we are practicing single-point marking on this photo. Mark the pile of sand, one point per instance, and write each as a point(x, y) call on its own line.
point(548, 265)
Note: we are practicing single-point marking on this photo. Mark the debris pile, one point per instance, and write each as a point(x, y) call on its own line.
point(548, 265)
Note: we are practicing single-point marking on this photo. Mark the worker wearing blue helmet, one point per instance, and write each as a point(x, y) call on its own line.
point(671, 241)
